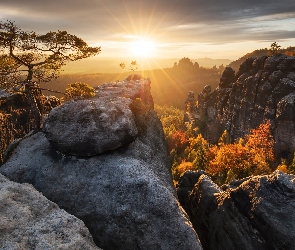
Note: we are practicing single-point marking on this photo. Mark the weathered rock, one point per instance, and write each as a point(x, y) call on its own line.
point(29, 221)
point(227, 78)
point(263, 89)
point(185, 185)
point(190, 108)
point(258, 214)
point(125, 196)
point(134, 77)
point(91, 127)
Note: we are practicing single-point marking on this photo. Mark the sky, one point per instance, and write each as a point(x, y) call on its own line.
point(162, 28)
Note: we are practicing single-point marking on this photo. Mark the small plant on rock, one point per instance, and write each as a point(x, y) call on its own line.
point(275, 49)
point(78, 90)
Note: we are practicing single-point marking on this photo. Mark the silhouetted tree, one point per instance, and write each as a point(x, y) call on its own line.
point(133, 66)
point(185, 62)
point(274, 49)
point(34, 57)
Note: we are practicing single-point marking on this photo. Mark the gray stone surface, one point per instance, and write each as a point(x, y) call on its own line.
point(91, 127)
point(186, 184)
point(258, 214)
point(30, 221)
point(125, 196)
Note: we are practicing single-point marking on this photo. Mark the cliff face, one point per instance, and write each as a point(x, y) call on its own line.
point(104, 161)
point(254, 213)
point(263, 89)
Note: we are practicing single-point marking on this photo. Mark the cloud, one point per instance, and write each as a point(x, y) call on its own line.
point(173, 21)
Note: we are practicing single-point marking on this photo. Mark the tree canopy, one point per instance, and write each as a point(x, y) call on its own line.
point(26, 57)
point(32, 56)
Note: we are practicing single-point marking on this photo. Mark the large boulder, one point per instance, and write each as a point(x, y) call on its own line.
point(124, 196)
point(91, 127)
point(258, 214)
point(30, 221)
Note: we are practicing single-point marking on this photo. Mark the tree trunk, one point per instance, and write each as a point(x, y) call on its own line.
point(32, 93)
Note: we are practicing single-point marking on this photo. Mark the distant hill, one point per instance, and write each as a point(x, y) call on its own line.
point(111, 65)
point(170, 85)
point(258, 53)
point(209, 62)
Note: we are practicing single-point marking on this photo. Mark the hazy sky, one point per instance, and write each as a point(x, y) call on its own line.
point(177, 28)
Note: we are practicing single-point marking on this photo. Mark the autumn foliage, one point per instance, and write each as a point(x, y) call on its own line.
point(225, 161)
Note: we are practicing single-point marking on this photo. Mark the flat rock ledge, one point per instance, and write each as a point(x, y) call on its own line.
point(29, 221)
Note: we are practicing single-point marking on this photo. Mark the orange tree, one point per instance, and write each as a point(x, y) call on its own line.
point(260, 144)
point(243, 158)
point(230, 161)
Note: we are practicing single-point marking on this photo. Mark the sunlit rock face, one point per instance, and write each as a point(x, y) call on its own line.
point(263, 89)
point(125, 194)
point(30, 221)
point(255, 213)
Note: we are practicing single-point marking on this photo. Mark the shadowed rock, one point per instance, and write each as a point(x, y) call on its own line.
point(185, 185)
point(29, 221)
point(263, 89)
point(258, 214)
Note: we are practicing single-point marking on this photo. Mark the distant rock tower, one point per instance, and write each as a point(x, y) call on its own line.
point(190, 108)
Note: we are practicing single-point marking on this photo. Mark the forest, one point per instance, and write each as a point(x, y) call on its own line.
point(180, 78)
point(224, 162)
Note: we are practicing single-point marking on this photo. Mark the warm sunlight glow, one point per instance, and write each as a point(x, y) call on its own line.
point(142, 48)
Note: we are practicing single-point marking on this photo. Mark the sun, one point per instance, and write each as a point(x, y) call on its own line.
point(142, 48)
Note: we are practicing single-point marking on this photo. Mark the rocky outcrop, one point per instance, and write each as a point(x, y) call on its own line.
point(94, 127)
point(263, 89)
point(259, 213)
point(125, 196)
point(186, 184)
point(29, 221)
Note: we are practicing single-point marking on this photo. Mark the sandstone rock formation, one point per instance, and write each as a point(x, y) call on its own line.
point(258, 213)
point(29, 221)
point(124, 196)
point(186, 184)
point(86, 127)
point(263, 89)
